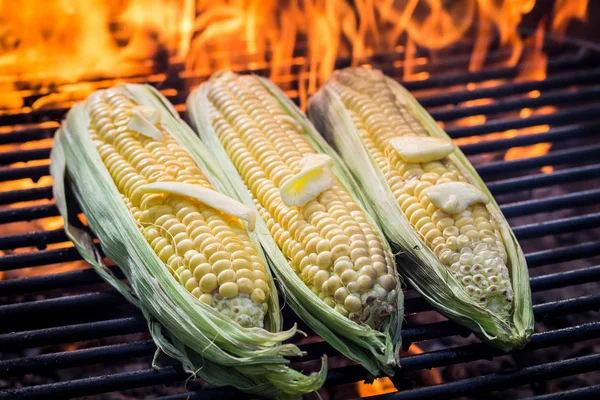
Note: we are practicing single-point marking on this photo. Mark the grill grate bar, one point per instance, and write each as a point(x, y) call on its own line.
point(562, 117)
point(552, 82)
point(38, 239)
point(554, 135)
point(69, 279)
point(97, 384)
point(38, 258)
point(563, 254)
point(10, 157)
point(574, 155)
point(500, 381)
point(589, 392)
point(498, 106)
point(29, 133)
point(557, 226)
point(72, 333)
point(541, 180)
point(15, 196)
point(101, 354)
point(563, 279)
point(569, 200)
point(34, 173)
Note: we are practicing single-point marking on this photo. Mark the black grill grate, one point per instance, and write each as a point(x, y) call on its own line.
point(556, 216)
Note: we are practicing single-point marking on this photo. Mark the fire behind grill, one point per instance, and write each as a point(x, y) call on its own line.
point(555, 216)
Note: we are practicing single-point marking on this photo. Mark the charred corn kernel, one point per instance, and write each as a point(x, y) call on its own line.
point(431, 204)
point(190, 237)
point(324, 232)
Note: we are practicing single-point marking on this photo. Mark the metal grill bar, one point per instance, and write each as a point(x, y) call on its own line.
point(541, 180)
point(501, 381)
point(553, 135)
point(33, 173)
point(562, 117)
point(590, 392)
point(570, 200)
point(557, 226)
point(70, 279)
point(574, 155)
point(14, 196)
point(38, 239)
point(553, 99)
point(72, 333)
point(44, 130)
point(95, 385)
point(551, 82)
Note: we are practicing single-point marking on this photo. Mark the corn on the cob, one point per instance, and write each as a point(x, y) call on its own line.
point(332, 247)
point(205, 249)
point(155, 208)
point(431, 203)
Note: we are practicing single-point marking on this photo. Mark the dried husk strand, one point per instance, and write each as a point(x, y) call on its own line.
point(417, 261)
point(206, 342)
point(376, 350)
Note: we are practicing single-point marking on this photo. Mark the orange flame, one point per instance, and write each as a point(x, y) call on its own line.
point(68, 48)
point(385, 385)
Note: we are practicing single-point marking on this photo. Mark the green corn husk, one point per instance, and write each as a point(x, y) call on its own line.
point(207, 343)
point(376, 350)
point(418, 262)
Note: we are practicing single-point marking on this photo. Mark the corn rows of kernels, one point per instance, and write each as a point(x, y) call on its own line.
point(206, 250)
point(331, 244)
point(469, 243)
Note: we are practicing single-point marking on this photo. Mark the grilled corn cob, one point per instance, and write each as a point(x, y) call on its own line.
point(336, 269)
point(431, 204)
point(192, 264)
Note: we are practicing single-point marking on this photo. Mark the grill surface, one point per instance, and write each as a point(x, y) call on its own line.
point(555, 216)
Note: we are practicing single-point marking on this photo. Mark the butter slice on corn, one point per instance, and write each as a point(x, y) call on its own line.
point(458, 249)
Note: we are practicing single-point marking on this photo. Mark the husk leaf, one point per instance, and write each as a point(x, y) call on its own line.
point(416, 261)
point(376, 350)
point(206, 342)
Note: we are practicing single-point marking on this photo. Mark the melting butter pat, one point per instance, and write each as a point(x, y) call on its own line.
point(455, 197)
point(314, 178)
point(420, 149)
point(206, 196)
point(143, 121)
